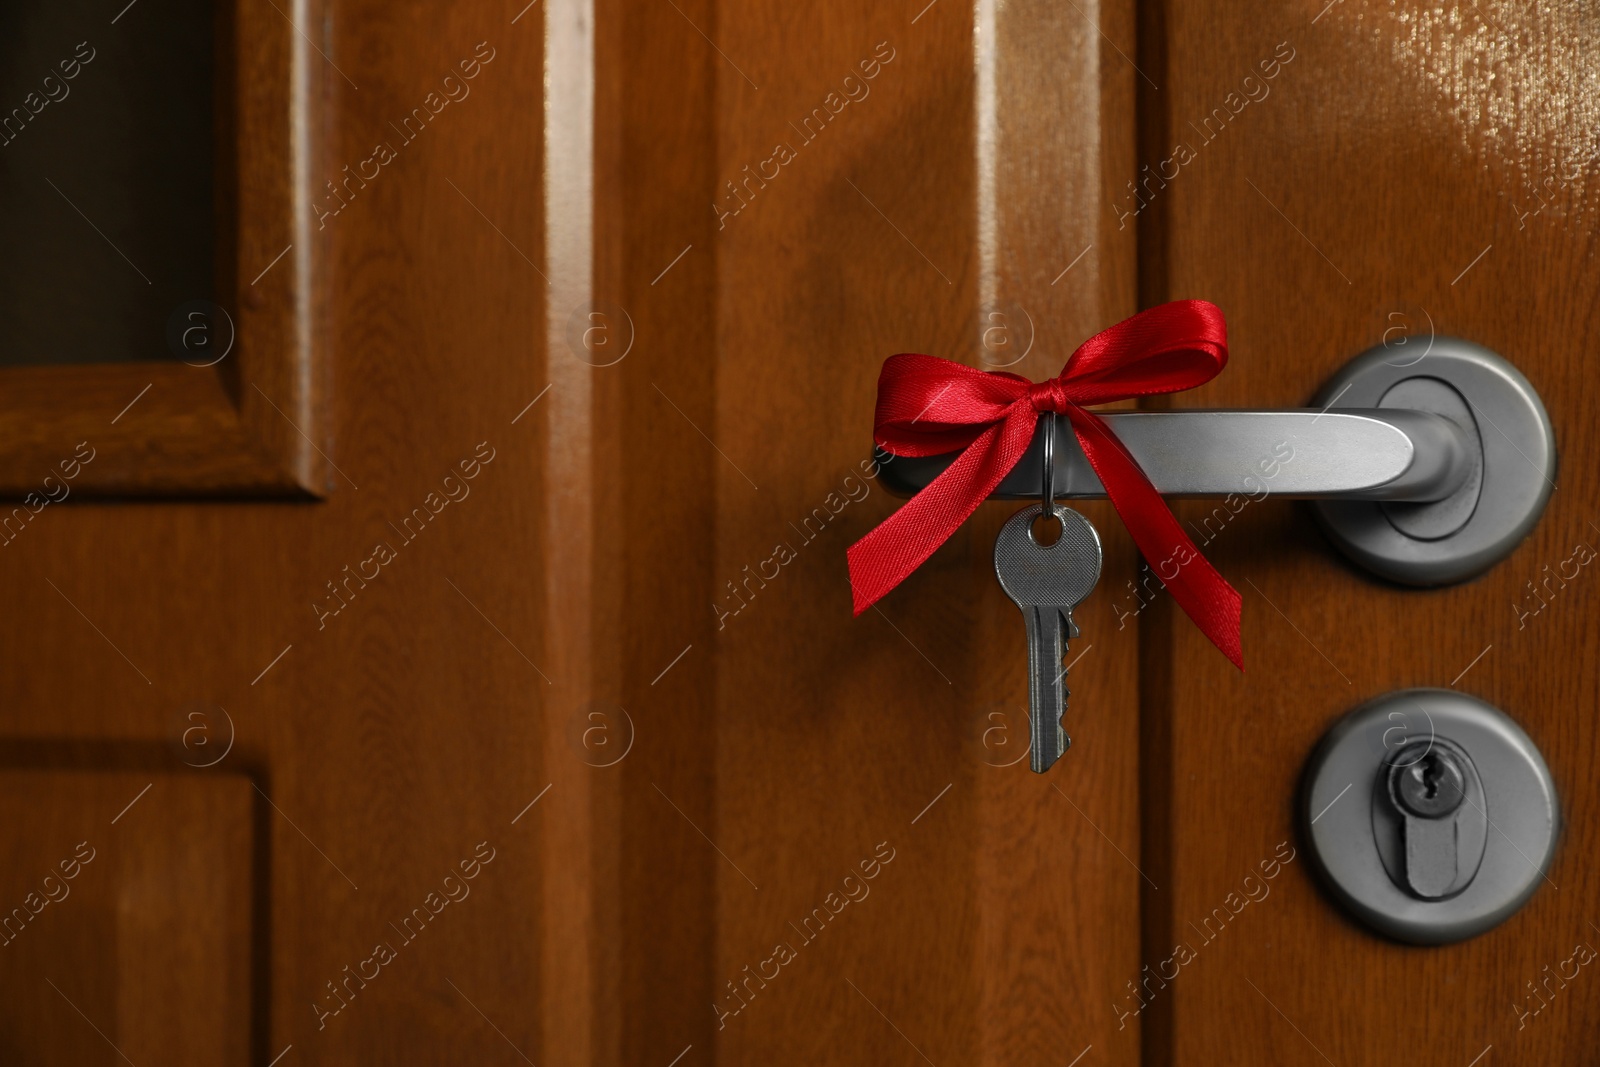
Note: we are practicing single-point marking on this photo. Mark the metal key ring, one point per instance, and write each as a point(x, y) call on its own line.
point(1049, 494)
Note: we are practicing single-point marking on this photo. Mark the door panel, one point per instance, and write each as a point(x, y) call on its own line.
point(1376, 188)
point(384, 717)
point(131, 921)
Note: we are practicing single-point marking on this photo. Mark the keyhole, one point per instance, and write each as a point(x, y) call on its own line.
point(1430, 777)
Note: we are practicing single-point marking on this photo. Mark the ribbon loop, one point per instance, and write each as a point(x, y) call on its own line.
point(929, 406)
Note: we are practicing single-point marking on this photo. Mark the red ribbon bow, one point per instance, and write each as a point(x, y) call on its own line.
point(928, 406)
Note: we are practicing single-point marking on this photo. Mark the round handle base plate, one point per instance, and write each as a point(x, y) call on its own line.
point(1465, 534)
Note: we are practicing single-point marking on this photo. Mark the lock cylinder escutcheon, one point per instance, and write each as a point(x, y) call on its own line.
point(1430, 815)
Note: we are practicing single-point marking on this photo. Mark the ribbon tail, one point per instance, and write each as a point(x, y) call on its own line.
point(885, 557)
point(1207, 598)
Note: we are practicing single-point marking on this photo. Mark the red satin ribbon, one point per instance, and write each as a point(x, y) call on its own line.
point(928, 406)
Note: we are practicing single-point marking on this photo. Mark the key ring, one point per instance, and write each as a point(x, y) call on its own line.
point(1049, 494)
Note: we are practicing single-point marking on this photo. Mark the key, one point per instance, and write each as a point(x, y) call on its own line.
point(1047, 582)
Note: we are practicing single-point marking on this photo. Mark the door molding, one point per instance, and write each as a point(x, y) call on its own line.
point(250, 424)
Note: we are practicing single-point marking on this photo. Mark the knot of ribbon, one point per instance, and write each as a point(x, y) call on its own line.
point(929, 406)
point(1050, 395)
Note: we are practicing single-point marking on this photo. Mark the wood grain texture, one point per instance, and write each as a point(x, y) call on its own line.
point(1392, 176)
point(630, 907)
point(970, 170)
point(653, 494)
point(250, 424)
point(127, 914)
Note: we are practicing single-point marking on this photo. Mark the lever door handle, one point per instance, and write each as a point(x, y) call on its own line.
point(1371, 454)
point(1427, 470)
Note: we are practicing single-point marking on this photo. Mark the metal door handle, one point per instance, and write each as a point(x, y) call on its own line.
point(1427, 469)
point(1371, 454)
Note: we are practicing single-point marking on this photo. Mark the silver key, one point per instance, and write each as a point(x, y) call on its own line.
point(1047, 582)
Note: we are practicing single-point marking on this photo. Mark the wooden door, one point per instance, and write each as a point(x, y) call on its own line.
point(462, 669)
point(1409, 167)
